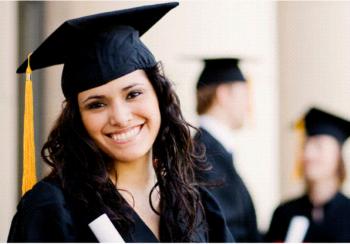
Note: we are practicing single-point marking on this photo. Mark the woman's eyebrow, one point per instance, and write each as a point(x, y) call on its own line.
point(101, 96)
point(131, 86)
point(93, 97)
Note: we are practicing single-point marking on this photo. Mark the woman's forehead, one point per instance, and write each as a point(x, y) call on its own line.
point(323, 138)
point(135, 78)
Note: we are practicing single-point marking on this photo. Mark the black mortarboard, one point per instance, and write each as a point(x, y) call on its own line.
point(220, 70)
point(99, 48)
point(318, 122)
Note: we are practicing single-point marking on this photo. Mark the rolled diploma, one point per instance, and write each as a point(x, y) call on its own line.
point(104, 230)
point(297, 229)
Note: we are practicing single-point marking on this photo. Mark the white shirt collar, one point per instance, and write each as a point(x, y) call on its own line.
point(217, 129)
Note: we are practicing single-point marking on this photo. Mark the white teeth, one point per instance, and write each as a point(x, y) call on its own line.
point(127, 135)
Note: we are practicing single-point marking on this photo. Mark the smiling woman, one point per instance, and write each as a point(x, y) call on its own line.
point(120, 146)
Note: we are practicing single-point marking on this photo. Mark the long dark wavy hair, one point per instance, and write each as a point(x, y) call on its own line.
point(83, 169)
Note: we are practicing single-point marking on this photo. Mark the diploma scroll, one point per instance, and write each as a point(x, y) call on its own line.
point(104, 230)
point(297, 229)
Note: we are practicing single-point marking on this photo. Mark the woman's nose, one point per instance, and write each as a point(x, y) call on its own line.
point(120, 115)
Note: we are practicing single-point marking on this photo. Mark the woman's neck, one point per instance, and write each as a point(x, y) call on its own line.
point(134, 181)
point(320, 192)
point(135, 175)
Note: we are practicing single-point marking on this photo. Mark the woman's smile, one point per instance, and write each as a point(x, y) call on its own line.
point(126, 135)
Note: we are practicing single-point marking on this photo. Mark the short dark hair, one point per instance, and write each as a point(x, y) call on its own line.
point(341, 170)
point(205, 98)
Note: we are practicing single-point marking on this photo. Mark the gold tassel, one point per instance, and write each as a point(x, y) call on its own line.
point(298, 167)
point(29, 170)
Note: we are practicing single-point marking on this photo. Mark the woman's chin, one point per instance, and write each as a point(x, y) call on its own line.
point(131, 157)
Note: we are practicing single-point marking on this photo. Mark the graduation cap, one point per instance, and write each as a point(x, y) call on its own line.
point(318, 122)
point(94, 50)
point(98, 48)
point(220, 70)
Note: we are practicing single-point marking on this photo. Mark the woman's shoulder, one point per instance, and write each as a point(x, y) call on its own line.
point(294, 203)
point(341, 197)
point(43, 216)
point(340, 203)
point(289, 208)
point(45, 192)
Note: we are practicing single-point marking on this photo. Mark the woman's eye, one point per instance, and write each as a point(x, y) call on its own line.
point(95, 105)
point(133, 94)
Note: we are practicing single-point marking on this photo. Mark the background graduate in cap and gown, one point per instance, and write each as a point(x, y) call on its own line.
point(120, 150)
point(222, 103)
point(323, 213)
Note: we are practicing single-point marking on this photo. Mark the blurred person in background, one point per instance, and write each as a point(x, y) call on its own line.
point(222, 106)
point(322, 214)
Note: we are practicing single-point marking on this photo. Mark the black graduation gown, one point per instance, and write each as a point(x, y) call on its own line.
point(230, 192)
point(335, 226)
point(45, 214)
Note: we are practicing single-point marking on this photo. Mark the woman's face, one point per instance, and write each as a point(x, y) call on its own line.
point(321, 158)
point(122, 116)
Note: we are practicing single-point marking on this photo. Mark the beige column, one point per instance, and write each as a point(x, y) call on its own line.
point(8, 122)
